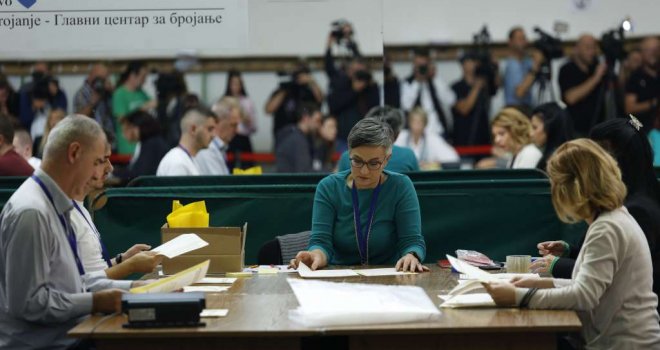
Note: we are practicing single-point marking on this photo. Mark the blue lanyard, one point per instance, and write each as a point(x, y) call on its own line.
point(104, 251)
point(185, 150)
point(362, 234)
point(71, 237)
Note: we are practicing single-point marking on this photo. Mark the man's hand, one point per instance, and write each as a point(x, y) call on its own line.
point(555, 248)
point(600, 71)
point(144, 262)
point(409, 263)
point(134, 250)
point(315, 259)
point(107, 301)
point(537, 59)
point(503, 293)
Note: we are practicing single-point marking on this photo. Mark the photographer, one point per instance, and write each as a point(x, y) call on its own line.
point(285, 101)
point(424, 89)
point(54, 97)
point(520, 70)
point(94, 98)
point(581, 84)
point(352, 92)
point(472, 106)
point(643, 89)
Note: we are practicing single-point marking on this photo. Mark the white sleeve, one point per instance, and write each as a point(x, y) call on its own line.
point(441, 151)
point(401, 139)
point(528, 158)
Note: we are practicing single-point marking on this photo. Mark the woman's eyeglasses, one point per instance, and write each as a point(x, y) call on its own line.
point(371, 165)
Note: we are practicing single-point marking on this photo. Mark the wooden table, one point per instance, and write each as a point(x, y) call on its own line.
point(258, 318)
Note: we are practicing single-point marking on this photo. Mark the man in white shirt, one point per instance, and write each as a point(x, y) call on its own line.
point(197, 127)
point(44, 290)
point(424, 89)
point(213, 160)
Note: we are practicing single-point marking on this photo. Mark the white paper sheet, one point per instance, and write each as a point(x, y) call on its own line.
point(389, 271)
point(177, 281)
point(206, 289)
point(214, 313)
point(503, 276)
point(268, 268)
point(180, 245)
point(470, 271)
point(305, 272)
point(467, 300)
point(217, 280)
point(325, 304)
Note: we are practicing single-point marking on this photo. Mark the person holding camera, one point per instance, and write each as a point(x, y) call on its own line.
point(643, 88)
point(472, 108)
point(94, 98)
point(353, 92)
point(424, 89)
point(285, 101)
point(520, 70)
point(581, 81)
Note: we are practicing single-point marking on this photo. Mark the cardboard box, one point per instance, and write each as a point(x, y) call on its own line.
point(226, 249)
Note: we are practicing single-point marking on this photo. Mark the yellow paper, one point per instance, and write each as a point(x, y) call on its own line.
point(256, 170)
point(175, 282)
point(191, 215)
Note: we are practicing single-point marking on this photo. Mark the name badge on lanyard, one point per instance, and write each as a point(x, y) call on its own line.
point(362, 233)
point(71, 236)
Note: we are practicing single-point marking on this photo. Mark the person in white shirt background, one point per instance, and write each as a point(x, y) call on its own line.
point(197, 127)
point(424, 88)
point(511, 133)
point(430, 149)
point(213, 160)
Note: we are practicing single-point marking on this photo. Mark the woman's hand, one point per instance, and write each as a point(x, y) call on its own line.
point(532, 282)
point(409, 263)
point(315, 259)
point(555, 248)
point(503, 293)
point(542, 265)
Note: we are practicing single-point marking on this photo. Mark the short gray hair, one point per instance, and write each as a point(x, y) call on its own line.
point(390, 115)
point(371, 132)
point(74, 128)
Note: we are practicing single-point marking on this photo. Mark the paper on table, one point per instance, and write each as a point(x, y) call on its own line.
point(180, 245)
point(325, 303)
point(217, 280)
point(389, 271)
point(476, 275)
point(207, 289)
point(177, 281)
point(503, 276)
point(467, 300)
point(214, 313)
point(305, 272)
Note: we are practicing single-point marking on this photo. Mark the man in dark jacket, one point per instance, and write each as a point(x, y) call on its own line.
point(293, 153)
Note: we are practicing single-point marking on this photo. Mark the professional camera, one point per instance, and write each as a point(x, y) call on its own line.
point(337, 30)
point(363, 75)
point(480, 52)
point(611, 43)
point(289, 80)
point(98, 85)
point(548, 45)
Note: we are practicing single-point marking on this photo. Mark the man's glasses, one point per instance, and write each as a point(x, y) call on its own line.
point(371, 165)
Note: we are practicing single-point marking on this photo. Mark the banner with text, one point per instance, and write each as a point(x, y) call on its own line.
point(69, 29)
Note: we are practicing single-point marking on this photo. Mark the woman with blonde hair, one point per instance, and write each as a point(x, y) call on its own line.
point(611, 284)
point(511, 133)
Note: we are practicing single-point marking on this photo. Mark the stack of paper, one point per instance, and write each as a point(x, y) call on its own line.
point(325, 304)
point(467, 300)
point(305, 272)
point(176, 282)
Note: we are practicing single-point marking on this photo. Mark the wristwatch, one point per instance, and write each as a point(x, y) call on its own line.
point(118, 259)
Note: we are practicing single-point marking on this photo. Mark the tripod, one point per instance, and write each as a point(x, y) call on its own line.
point(543, 77)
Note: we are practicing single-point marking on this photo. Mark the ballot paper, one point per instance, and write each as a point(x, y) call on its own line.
point(502, 276)
point(177, 281)
point(390, 271)
point(208, 313)
point(305, 272)
point(206, 289)
point(217, 280)
point(467, 300)
point(475, 275)
point(324, 304)
point(180, 245)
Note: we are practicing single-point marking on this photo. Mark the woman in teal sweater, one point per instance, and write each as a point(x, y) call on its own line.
point(387, 228)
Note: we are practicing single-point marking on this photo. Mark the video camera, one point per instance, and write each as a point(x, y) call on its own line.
point(549, 45)
point(480, 52)
point(289, 80)
point(611, 43)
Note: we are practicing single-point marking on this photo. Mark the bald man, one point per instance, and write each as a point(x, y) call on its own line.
point(197, 128)
point(93, 98)
point(44, 289)
point(643, 88)
point(581, 81)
